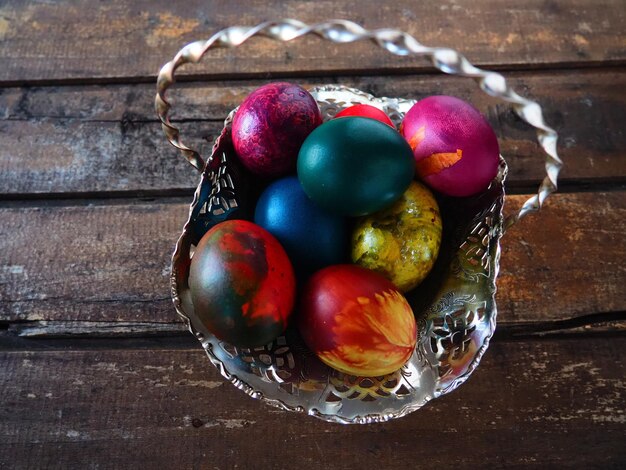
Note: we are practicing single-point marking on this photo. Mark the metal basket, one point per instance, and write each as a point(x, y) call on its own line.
point(455, 306)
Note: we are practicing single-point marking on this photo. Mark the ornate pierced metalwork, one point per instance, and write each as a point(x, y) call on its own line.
point(454, 329)
point(219, 195)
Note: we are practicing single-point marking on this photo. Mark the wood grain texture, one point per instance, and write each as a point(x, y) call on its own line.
point(63, 40)
point(553, 262)
point(66, 140)
point(99, 329)
point(529, 404)
point(111, 262)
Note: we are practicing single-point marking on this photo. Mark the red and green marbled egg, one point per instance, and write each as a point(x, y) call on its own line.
point(356, 321)
point(242, 284)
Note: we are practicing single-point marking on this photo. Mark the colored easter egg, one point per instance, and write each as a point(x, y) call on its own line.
point(401, 242)
point(366, 110)
point(242, 284)
point(356, 321)
point(312, 237)
point(270, 126)
point(456, 150)
point(355, 166)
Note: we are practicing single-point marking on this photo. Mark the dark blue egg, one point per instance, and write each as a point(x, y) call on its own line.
point(312, 237)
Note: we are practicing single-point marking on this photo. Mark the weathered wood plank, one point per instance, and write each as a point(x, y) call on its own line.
point(99, 139)
point(98, 329)
point(529, 404)
point(124, 39)
point(111, 262)
point(553, 262)
point(60, 156)
point(89, 263)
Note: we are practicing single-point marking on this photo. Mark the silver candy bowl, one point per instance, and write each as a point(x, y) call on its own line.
point(455, 306)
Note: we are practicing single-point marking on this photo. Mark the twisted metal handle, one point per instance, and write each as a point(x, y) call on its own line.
point(397, 42)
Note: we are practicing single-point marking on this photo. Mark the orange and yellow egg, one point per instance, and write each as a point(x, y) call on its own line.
point(356, 321)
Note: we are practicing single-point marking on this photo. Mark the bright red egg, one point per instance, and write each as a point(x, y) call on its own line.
point(242, 284)
point(368, 111)
point(356, 321)
point(456, 151)
point(270, 126)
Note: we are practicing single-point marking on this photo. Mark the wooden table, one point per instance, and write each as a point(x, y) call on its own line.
point(98, 372)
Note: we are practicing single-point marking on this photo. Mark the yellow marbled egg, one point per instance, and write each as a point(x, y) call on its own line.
point(402, 241)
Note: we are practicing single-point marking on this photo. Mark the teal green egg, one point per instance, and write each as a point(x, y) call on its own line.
point(355, 166)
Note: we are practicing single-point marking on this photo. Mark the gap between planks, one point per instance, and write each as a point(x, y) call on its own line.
point(606, 323)
point(185, 195)
point(189, 78)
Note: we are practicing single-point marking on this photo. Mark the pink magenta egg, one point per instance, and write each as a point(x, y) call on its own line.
point(368, 111)
point(270, 126)
point(456, 150)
